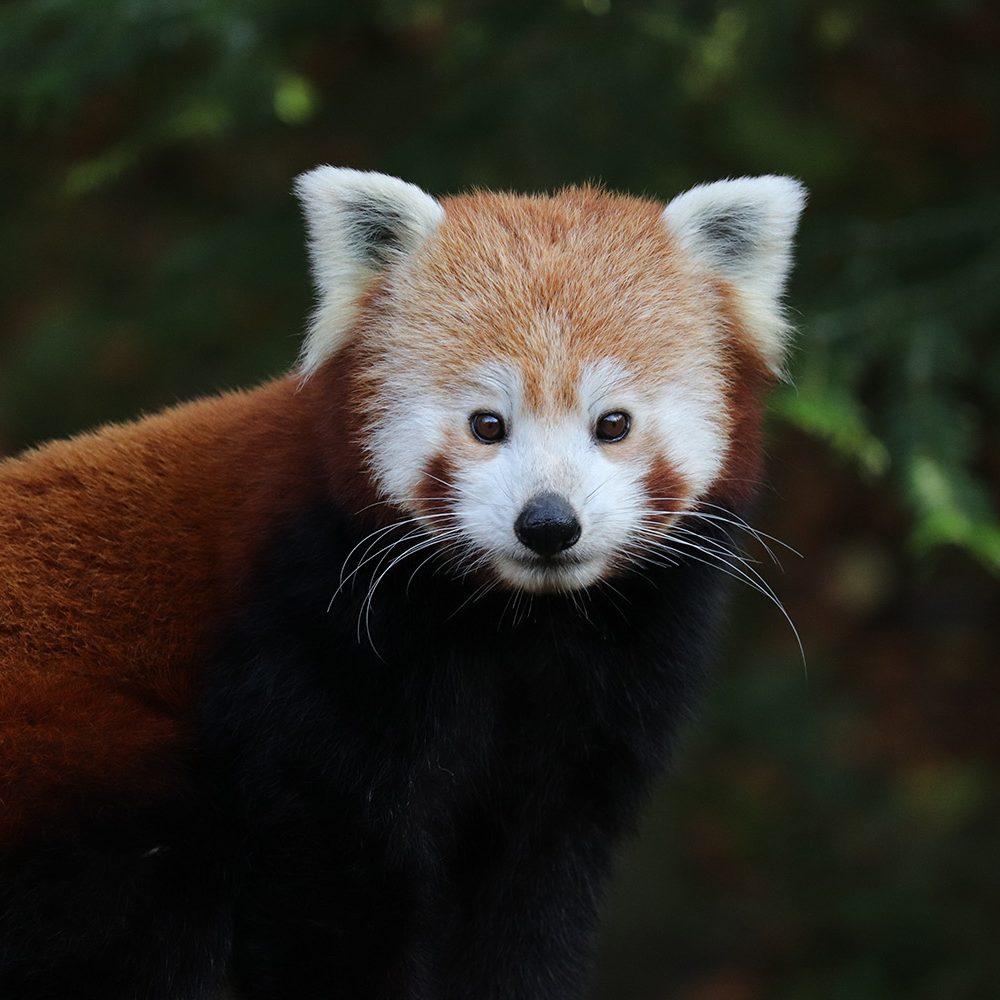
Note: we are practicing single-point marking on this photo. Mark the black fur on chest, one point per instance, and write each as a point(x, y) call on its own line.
point(425, 791)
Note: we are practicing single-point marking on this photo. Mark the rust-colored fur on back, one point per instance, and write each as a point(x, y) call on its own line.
point(117, 548)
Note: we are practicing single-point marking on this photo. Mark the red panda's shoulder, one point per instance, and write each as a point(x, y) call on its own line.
point(118, 550)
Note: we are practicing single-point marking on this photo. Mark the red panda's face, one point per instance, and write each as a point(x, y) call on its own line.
point(563, 492)
point(553, 381)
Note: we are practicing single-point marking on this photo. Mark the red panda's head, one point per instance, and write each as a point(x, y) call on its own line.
point(549, 383)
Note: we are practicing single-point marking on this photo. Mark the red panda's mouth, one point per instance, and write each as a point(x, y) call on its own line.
point(556, 562)
point(550, 565)
point(558, 573)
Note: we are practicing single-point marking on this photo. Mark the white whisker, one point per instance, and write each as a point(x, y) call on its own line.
point(743, 572)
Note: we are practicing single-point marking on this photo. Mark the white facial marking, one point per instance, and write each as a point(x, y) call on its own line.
point(553, 451)
point(408, 432)
point(691, 416)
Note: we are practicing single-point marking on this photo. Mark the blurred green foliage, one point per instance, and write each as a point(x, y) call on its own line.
point(831, 840)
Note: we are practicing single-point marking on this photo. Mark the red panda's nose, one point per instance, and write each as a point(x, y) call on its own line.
point(547, 524)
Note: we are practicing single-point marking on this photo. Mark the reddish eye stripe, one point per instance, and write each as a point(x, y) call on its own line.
point(664, 486)
point(434, 492)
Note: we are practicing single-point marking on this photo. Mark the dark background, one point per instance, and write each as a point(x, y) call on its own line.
point(830, 834)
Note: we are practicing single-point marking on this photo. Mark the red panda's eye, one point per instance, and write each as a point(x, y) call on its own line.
point(612, 426)
point(488, 427)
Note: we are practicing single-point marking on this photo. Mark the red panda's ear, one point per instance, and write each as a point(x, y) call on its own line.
point(359, 224)
point(742, 230)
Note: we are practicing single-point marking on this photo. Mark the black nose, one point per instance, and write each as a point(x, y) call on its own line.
point(547, 524)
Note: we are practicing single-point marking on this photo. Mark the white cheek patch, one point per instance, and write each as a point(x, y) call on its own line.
point(691, 422)
point(486, 502)
point(407, 434)
point(612, 497)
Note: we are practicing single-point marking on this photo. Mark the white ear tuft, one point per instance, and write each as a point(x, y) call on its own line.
point(359, 224)
point(743, 229)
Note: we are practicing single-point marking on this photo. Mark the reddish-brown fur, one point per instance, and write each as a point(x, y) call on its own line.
point(663, 481)
point(748, 380)
point(436, 486)
point(742, 467)
point(117, 548)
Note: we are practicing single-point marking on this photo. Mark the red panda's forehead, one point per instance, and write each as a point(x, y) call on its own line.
point(551, 284)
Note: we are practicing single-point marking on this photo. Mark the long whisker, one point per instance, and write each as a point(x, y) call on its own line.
point(481, 591)
point(607, 585)
point(702, 545)
point(600, 486)
point(374, 536)
point(366, 604)
point(728, 516)
point(656, 518)
point(396, 501)
point(747, 574)
point(715, 519)
point(732, 549)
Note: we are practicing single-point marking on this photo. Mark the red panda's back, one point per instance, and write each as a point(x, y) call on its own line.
point(116, 557)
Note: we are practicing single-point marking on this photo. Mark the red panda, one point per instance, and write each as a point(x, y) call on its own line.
point(348, 685)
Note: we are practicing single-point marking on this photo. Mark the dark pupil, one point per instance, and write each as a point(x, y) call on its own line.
point(487, 427)
point(612, 426)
